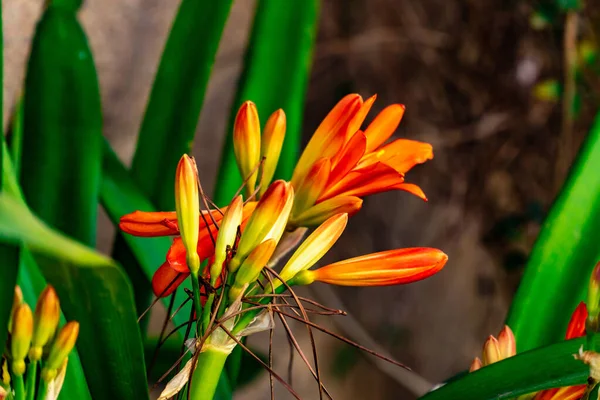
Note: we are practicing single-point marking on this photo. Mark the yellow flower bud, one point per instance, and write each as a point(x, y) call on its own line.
point(246, 143)
point(187, 205)
point(227, 235)
point(47, 313)
point(20, 336)
point(252, 266)
point(62, 346)
point(475, 365)
point(271, 143)
point(4, 375)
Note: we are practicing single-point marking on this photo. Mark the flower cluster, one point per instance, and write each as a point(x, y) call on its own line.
point(34, 340)
point(504, 346)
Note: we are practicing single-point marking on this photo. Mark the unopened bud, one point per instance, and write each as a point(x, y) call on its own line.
point(187, 205)
point(475, 365)
point(593, 302)
point(20, 339)
point(17, 301)
point(62, 346)
point(47, 313)
point(506, 343)
point(252, 266)
point(271, 143)
point(227, 235)
point(491, 351)
point(4, 375)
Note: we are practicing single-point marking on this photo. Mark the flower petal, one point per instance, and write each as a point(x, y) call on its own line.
point(383, 126)
point(364, 181)
point(358, 118)
point(410, 188)
point(348, 157)
point(312, 186)
point(166, 280)
point(320, 212)
point(329, 137)
point(403, 154)
point(576, 327)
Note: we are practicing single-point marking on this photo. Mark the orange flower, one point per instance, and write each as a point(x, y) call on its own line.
point(341, 161)
point(391, 267)
point(175, 270)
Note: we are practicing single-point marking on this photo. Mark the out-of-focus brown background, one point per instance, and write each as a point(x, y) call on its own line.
point(465, 71)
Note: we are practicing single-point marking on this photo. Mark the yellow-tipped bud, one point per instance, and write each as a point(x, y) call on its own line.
point(491, 351)
point(271, 143)
point(227, 235)
point(268, 220)
point(47, 313)
point(246, 143)
point(17, 301)
point(20, 337)
point(62, 346)
point(507, 343)
point(252, 267)
point(315, 246)
point(475, 365)
point(187, 204)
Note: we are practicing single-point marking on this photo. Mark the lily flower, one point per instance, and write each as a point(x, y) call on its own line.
point(343, 162)
point(393, 267)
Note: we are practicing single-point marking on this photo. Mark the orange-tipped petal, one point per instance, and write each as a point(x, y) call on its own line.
point(410, 188)
point(150, 224)
point(315, 246)
point(576, 327)
point(564, 393)
point(403, 154)
point(246, 143)
point(348, 157)
point(165, 280)
point(391, 267)
point(365, 181)
point(269, 217)
point(507, 343)
point(358, 119)
point(320, 212)
point(329, 137)
point(383, 126)
point(187, 205)
point(312, 186)
point(475, 365)
point(271, 143)
point(491, 351)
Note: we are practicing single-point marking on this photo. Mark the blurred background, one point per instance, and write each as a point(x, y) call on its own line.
point(478, 79)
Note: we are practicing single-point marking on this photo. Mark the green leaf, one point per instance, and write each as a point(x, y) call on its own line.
point(275, 75)
point(176, 100)
point(547, 367)
point(62, 135)
point(94, 291)
point(9, 260)
point(557, 274)
point(119, 195)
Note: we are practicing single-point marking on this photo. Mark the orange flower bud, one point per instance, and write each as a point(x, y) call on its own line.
point(271, 144)
point(320, 212)
point(391, 267)
point(267, 222)
point(251, 268)
point(246, 143)
point(314, 247)
point(20, 339)
point(475, 365)
point(507, 343)
point(187, 204)
point(576, 327)
point(491, 351)
point(62, 346)
point(227, 235)
point(47, 313)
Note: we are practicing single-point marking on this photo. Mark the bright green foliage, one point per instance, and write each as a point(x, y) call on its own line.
point(557, 274)
point(547, 367)
point(275, 76)
point(62, 140)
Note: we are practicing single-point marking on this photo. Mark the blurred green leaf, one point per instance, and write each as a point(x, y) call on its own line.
point(9, 260)
point(176, 99)
point(557, 274)
point(547, 367)
point(275, 75)
point(94, 291)
point(60, 175)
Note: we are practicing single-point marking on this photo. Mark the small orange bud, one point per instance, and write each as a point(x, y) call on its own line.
point(227, 235)
point(187, 204)
point(246, 143)
point(20, 339)
point(62, 346)
point(507, 343)
point(47, 313)
point(491, 351)
point(271, 143)
point(475, 365)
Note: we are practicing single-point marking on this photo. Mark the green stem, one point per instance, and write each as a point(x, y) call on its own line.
point(207, 311)
point(197, 304)
point(19, 387)
point(31, 377)
point(206, 375)
point(42, 390)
